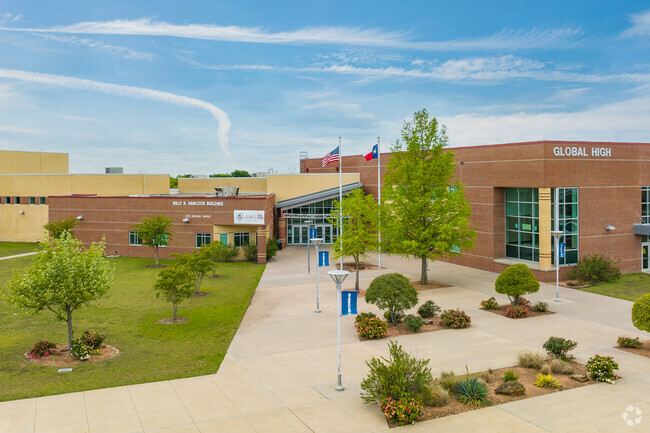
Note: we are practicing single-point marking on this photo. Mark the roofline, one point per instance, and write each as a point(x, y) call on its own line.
point(316, 196)
point(608, 143)
point(172, 196)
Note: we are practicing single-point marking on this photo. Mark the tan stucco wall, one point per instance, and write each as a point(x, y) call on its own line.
point(14, 162)
point(231, 230)
point(26, 227)
point(286, 186)
point(66, 184)
point(245, 184)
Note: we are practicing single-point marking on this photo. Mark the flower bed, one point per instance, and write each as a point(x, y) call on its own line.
point(60, 356)
point(502, 310)
point(644, 350)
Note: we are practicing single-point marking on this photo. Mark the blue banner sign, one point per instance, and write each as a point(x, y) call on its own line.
point(349, 302)
point(323, 258)
point(312, 233)
point(561, 250)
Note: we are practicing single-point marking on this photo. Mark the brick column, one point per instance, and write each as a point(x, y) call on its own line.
point(545, 228)
point(282, 231)
point(261, 245)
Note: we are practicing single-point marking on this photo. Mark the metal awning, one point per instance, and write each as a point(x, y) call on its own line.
point(642, 229)
point(316, 196)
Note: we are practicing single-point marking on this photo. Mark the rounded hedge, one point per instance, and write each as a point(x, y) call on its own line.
point(517, 280)
point(392, 292)
point(641, 313)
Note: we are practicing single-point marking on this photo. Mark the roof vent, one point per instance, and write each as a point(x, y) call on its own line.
point(227, 191)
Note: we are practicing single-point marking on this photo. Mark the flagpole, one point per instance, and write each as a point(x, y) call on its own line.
point(341, 201)
point(379, 198)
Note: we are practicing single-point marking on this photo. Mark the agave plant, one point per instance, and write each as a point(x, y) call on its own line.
point(472, 392)
point(546, 380)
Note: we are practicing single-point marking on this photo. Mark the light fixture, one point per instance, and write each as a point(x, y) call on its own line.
point(317, 242)
point(557, 234)
point(80, 218)
point(610, 227)
point(21, 211)
point(186, 220)
point(339, 276)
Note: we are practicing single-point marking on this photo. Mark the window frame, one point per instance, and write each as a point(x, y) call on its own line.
point(134, 238)
point(201, 237)
point(241, 236)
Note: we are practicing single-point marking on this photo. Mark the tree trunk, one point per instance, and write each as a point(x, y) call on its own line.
point(155, 255)
point(197, 286)
point(174, 315)
point(424, 278)
point(70, 330)
point(356, 284)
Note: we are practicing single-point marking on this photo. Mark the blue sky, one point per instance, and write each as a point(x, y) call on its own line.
point(202, 87)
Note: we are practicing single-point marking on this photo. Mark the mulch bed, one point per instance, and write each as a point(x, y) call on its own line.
point(402, 329)
point(199, 294)
point(501, 311)
point(155, 266)
point(64, 359)
point(430, 285)
point(169, 321)
point(351, 267)
point(643, 350)
point(527, 377)
point(573, 284)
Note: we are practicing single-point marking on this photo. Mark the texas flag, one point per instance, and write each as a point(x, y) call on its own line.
point(372, 155)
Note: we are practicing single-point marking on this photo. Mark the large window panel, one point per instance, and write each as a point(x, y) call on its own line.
point(522, 224)
point(568, 223)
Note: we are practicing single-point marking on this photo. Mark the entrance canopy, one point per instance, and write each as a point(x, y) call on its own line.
point(331, 193)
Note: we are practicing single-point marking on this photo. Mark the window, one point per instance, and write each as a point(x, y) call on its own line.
point(522, 224)
point(134, 239)
point(203, 239)
point(568, 218)
point(645, 209)
point(16, 200)
point(41, 200)
point(242, 239)
point(32, 200)
point(7, 200)
point(223, 238)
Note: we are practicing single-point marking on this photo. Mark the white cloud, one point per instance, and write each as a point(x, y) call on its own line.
point(507, 39)
point(135, 92)
point(10, 18)
point(640, 27)
point(124, 52)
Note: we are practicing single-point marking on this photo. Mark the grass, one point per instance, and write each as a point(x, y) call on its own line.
point(13, 248)
point(149, 351)
point(630, 287)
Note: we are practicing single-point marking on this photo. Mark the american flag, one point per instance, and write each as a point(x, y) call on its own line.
point(330, 157)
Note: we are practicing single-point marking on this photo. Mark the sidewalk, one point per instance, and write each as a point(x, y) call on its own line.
point(280, 370)
point(18, 255)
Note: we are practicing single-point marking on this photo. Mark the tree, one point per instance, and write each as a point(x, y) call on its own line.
point(425, 212)
point(62, 278)
point(516, 281)
point(176, 284)
point(641, 313)
point(155, 232)
point(392, 292)
point(360, 227)
point(240, 173)
point(57, 227)
point(199, 263)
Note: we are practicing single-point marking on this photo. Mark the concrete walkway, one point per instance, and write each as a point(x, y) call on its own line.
point(280, 371)
point(17, 255)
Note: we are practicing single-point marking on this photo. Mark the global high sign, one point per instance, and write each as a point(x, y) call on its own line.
point(249, 217)
point(594, 152)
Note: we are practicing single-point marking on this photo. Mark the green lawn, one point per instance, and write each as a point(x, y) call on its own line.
point(12, 248)
point(149, 351)
point(630, 287)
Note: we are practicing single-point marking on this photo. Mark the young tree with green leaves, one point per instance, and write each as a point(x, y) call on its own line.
point(199, 262)
point(62, 278)
point(425, 212)
point(155, 232)
point(360, 227)
point(176, 284)
point(57, 227)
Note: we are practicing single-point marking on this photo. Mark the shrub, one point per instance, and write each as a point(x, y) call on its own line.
point(271, 248)
point(404, 411)
point(400, 376)
point(517, 311)
point(641, 313)
point(490, 303)
point(594, 269)
point(428, 309)
point(413, 322)
point(79, 350)
point(448, 380)
point(557, 366)
point(41, 349)
point(472, 392)
point(94, 341)
point(531, 360)
point(516, 281)
point(601, 368)
point(547, 381)
point(485, 376)
point(541, 307)
point(398, 316)
point(372, 328)
point(455, 319)
point(363, 316)
point(558, 347)
point(219, 252)
point(436, 396)
point(250, 252)
point(631, 343)
point(392, 292)
point(510, 376)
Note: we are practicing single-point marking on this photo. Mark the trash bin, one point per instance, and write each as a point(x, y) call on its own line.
point(279, 244)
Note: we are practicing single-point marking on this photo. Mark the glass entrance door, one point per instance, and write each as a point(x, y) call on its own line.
point(300, 234)
point(324, 232)
point(645, 258)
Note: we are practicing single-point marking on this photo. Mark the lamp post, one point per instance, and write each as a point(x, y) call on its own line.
point(308, 222)
point(316, 242)
point(339, 276)
point(557, 234)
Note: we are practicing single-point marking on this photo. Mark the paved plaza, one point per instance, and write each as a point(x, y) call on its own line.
point(280, 370)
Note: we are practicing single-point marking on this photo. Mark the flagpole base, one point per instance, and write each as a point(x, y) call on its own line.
point(317, 311)
point(339, 387)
